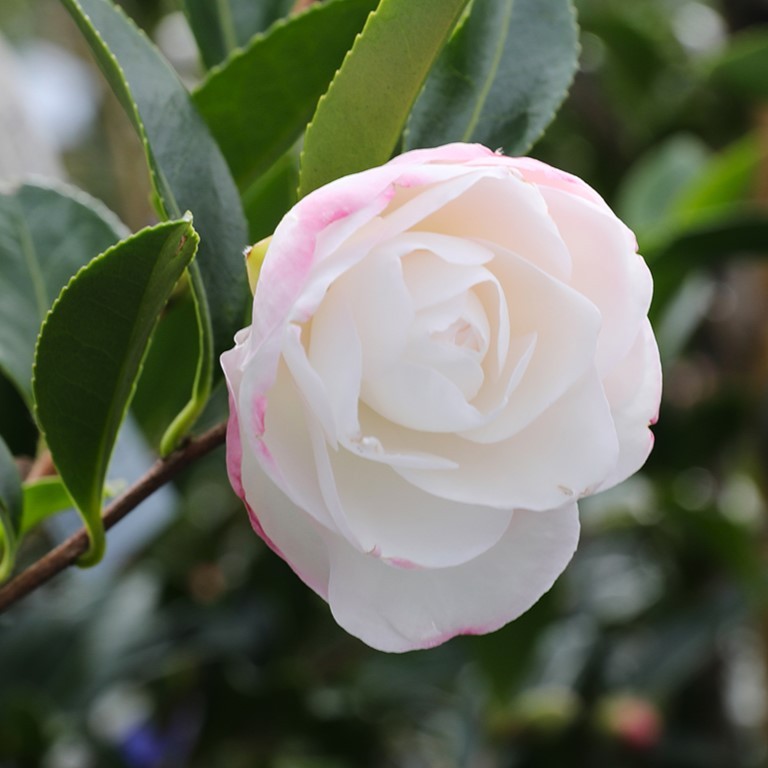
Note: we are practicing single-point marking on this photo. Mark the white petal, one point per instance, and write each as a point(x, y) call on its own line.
point(606, 269)
point(398, 522)
point(400, 610)
point(363, 501)
point(420, 398)
point(335, 357)
point(430, 280)
point(564, 454)
point(335, 354)
point(381, 307)
point(634, 390)
point(289, 530)
point(414, 207)
point(277, 435)
point(566, 328)
point(511, 213)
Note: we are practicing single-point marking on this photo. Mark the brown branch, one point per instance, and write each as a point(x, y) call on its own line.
point(41, 467)
point(69, 551)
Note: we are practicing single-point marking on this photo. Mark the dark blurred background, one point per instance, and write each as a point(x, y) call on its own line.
point(193, 645)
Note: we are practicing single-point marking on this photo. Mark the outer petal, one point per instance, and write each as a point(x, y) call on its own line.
point(606, 269)
point(400, 523)
point(543, 175)
point(634, 392)
point(402, 610)
point(286, 528)
point(458, 152)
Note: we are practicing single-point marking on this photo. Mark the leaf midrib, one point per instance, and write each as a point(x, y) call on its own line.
point(485, 91)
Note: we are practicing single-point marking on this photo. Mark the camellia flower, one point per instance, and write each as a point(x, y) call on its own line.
point(446, 353)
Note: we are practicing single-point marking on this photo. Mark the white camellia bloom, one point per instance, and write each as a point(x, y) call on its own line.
point(446, 353)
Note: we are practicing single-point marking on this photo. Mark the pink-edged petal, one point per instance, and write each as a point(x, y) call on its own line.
point(606, 269)
point(561, 456)
point(634, 390)
point(414, 206)
point(457, 152)
point(401, 610)
point(278, 438)
point(340, 220)
point(286, 528)
point(396, 521)
point(541, 174)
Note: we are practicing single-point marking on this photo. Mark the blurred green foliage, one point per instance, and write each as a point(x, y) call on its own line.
point(203, 649)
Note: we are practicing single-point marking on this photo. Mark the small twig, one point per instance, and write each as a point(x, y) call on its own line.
point(42, 467)
point(69, 551)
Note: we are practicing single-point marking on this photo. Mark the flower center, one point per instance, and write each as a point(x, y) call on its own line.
point(460, 333)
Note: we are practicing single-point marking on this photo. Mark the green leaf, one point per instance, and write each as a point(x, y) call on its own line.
point(259, 102)
point(359, 120)
point(89, 356)
point(740, 232)
point(17, 426)
point(173, 339)
point(48, 496)
point(648, 198)
point(267, 200)
point(46, 234)
point(43, 498)
point(730, 177)
point(680, 188)
point(743, 66)
point(220, 26)
point(187, 168)
point(501, 77)
point(10, 510)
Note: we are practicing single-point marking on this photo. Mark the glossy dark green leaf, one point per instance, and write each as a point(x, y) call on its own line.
point(10, 510)
point(46, 234)
point(259, 102)
point(220, 26)
point(175, 349)
point(188, 170)
point(89, 356)
point(17, 426)
point(501, 77)
point(267, 200)
point(359, 121)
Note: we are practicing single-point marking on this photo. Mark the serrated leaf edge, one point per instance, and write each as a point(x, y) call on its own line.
point(191, 233)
